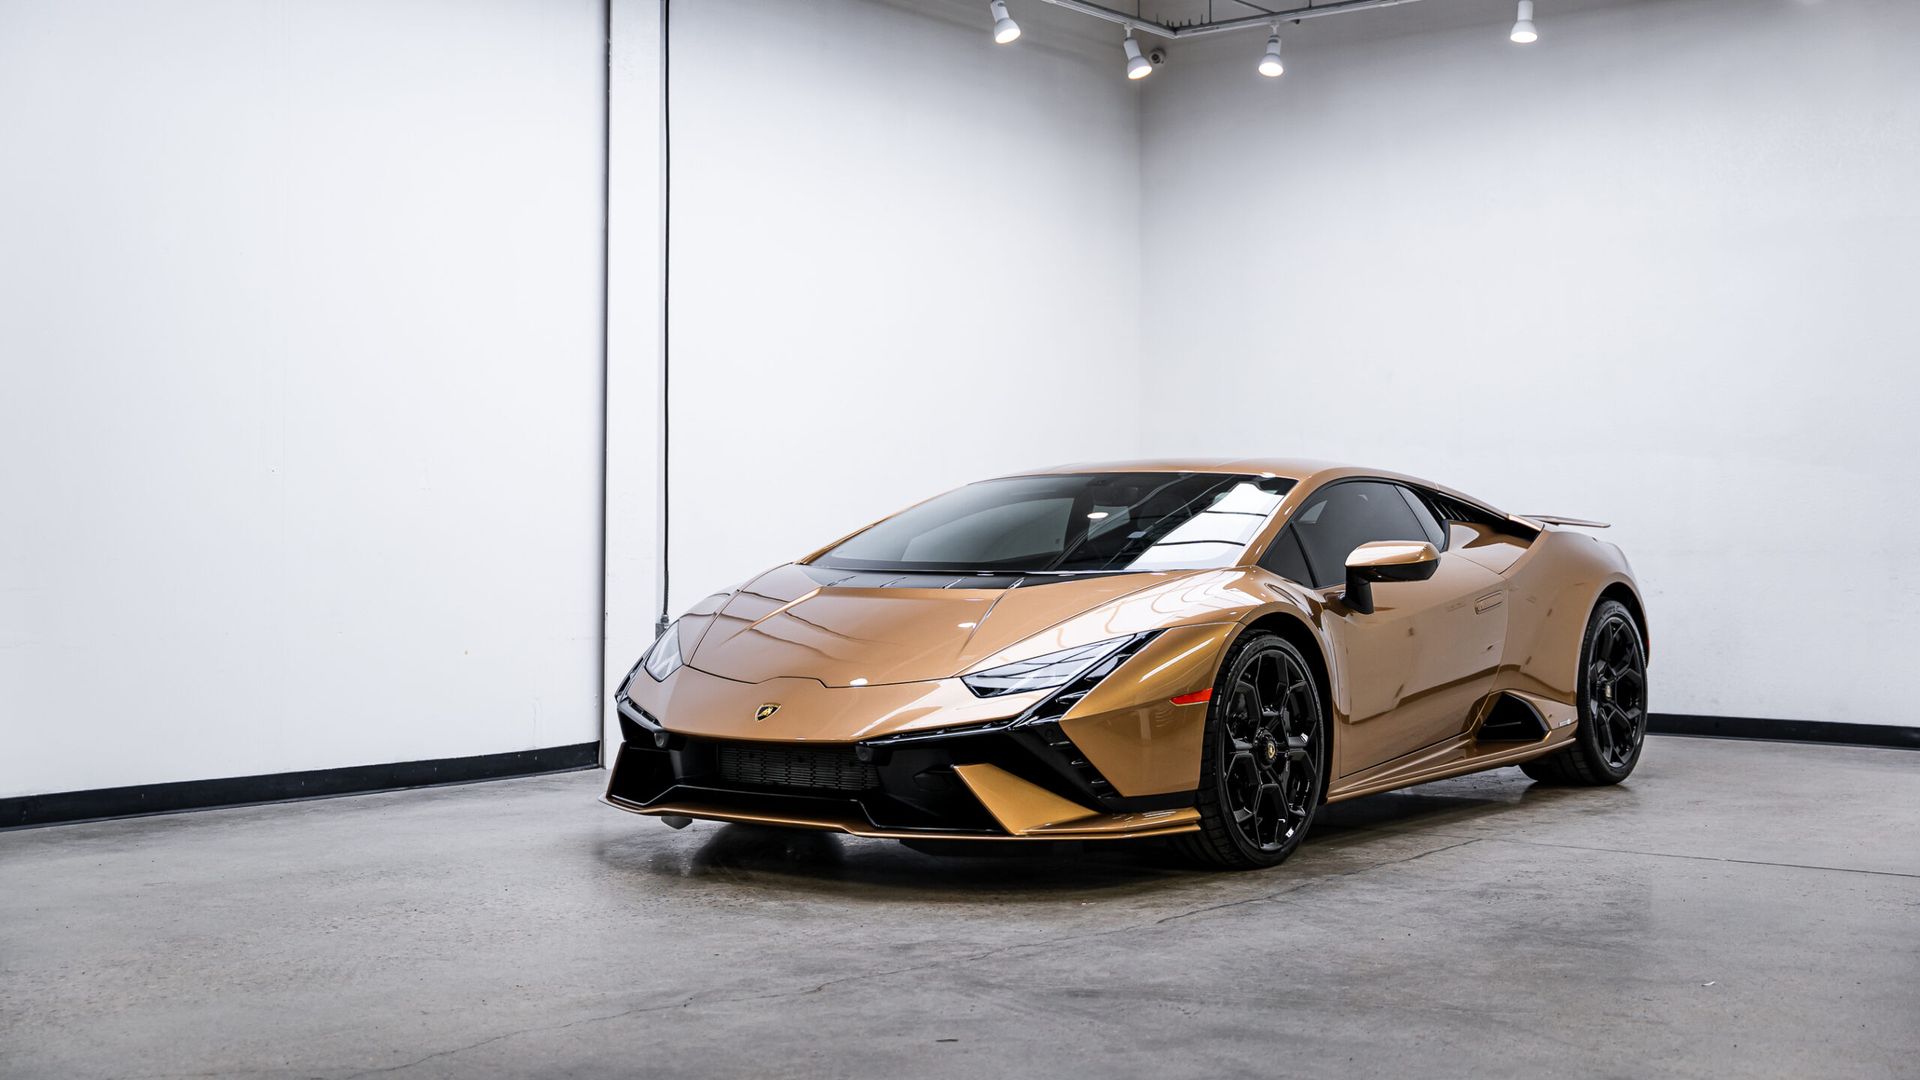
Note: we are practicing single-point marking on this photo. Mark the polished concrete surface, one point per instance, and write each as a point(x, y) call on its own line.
point(1736, 909)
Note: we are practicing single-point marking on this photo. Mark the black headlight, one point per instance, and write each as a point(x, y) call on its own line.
point(1047, 709)
point(664, 658)
point(1042, 672)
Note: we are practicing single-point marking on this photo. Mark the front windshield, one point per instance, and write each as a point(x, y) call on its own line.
point(1083, 522)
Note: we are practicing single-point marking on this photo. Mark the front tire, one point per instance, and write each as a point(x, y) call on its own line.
point(1613, 705)
point(1263, 759)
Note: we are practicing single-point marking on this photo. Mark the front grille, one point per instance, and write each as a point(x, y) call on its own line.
point(831, 770)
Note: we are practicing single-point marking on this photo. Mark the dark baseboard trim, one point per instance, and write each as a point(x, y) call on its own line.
point(72, 806)
point(69, 806)
point(1813, 731)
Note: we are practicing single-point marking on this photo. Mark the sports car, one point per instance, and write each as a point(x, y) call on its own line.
point(1206, 651)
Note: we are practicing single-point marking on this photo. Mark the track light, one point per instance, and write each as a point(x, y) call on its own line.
point(1137, 65)
point(1523, 31)
point(1140, 63)
point(1270, 64)
point(1004, 28)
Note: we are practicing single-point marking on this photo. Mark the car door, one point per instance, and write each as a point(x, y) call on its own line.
point(1417, 664)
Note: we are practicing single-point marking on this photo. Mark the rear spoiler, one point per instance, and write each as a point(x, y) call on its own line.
point(1548, 519)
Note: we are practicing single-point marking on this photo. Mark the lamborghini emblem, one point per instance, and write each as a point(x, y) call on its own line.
point(767, 710)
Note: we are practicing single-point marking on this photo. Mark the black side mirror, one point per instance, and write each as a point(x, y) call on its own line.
point(1386, 560)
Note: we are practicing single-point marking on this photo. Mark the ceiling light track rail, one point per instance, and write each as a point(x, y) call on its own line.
point(1140, 63)
point(1263, 20)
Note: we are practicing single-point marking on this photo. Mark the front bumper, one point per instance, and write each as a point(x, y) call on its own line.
point(1025, 782)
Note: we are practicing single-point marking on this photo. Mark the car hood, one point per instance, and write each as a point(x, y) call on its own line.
point(793, 622)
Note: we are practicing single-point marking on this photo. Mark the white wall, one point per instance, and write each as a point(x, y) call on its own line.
point(903, 259)
point(1657, 269)
point(300, 340)
point(301, 327)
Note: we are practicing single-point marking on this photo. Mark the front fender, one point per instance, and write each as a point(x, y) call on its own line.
point(1129, 726)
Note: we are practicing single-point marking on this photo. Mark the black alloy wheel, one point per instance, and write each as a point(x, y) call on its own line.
point(1263, 765)
point(1612, 701)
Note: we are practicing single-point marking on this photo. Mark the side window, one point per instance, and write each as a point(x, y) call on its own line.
point(1346, 514)
point(1285, 559)
point(1436, 532)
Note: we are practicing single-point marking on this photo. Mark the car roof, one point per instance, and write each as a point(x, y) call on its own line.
point(1297, 468)
point(1309, 472)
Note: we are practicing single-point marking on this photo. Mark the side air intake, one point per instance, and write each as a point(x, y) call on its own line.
point(1511, 720)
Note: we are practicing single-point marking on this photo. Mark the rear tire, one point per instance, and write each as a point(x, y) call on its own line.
point(1612, 700)
point(1263, 757)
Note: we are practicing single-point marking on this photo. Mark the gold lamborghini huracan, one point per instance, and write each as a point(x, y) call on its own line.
point(1203, 651)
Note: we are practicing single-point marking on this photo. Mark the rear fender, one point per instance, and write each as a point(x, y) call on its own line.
point(1551, 595)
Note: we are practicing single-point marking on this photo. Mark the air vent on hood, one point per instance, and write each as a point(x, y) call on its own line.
point(831, 577)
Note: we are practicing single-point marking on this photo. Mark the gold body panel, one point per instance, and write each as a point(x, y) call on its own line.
point(1406, 686)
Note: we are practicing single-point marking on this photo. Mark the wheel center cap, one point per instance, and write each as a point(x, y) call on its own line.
point(1269, 749)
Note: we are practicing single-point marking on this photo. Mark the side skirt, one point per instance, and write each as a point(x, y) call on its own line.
point(1466, 753)
point(1450, 759)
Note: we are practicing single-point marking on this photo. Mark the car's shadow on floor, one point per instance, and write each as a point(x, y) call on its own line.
point(798, 860)
point(803, 860)
point(1412, 808)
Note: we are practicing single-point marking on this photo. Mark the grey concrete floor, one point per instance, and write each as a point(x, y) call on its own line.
point(1736, 909)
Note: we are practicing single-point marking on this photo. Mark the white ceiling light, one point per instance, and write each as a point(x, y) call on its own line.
point(1270, 64)
point(1137, 66)
point(1523, 31)
point(1004, 28)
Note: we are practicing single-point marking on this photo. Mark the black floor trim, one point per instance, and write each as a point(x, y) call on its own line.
point(71, 806)
point(1813, 731)
point(68, 806)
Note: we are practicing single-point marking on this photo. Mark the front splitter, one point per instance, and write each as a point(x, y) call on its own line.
point(1097, 827)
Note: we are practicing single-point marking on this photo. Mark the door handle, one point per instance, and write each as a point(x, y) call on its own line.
point(1487, 603)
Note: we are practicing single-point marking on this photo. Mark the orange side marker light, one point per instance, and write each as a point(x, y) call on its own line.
point(1194, 698)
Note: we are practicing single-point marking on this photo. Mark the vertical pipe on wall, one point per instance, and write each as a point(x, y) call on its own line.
point(606, 344)
point(666, 267)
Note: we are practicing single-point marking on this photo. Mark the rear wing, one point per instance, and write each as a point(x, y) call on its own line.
point(1549, 519)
